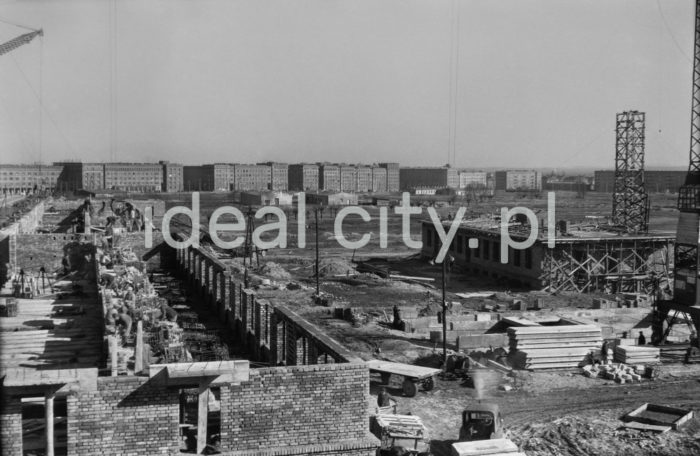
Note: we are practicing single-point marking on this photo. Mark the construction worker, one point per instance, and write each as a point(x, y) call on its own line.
point(641, 340)
point(384, 399)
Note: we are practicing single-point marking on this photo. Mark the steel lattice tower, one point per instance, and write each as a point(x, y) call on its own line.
point(687, 267)
point(630, 199)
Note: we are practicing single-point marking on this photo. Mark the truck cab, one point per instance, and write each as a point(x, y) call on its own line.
point(481, 422)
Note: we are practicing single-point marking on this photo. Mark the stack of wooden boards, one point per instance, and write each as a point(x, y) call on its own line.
point(557, 346)
point(637, 354)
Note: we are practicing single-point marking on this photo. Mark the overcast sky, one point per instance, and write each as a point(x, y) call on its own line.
point(538, 82)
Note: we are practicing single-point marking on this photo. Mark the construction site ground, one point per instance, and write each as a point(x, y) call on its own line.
point(548, 413)
point(564, 413)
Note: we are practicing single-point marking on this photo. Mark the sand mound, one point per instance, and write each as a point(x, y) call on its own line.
point(275, 271)
point(329, 267)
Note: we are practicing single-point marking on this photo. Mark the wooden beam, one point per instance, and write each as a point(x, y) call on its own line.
point(202, 410)
point(138, 356)
point(113, 354)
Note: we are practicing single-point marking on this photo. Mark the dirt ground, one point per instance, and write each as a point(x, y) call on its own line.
point(564, 413)
point(548, 413)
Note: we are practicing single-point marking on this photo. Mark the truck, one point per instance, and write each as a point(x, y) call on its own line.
point(482, 433)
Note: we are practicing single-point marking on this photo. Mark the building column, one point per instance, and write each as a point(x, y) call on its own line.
point(273, 339)
point(202, 410)
point(48, 408)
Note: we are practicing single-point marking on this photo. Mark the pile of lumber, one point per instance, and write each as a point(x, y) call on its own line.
point(542, 347)
point(637, 354)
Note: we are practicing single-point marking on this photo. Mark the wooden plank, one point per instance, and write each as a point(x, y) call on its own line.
point(553, 329)
point(647, 427)
point(405, 370)
point(138, 356)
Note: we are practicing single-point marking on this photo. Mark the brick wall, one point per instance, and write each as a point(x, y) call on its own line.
point(36, 250)
point(124, 416)
point(297, 406)
point(11, 426)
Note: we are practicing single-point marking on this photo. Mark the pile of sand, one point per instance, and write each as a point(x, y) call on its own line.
point(275, 271)
point(329, 267)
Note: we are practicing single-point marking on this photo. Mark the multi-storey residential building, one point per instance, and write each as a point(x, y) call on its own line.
point(139, 177)
point(329, 177)
point(252, 177)
point(364, 179)
point(303, 177)
point(424, 177)
point(77, 176)
point(379, 179)
point(393, 176)
point(348, 178)
point(172, 177)
point(198, 178)
point(20, 178)
point(472, 179)
point(514, 180)
point(222, 177)
point(279, 175)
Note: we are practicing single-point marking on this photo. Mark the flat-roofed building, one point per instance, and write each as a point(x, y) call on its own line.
point(138, 177)
point(428, 177)
point(329, 178)
point(198, 178)
point(393, 176)
point(348, 178)
point(279, 175)
point(22, 178)
point(303, 177)
point(364, 179)
point(518, 180)
point(173, 180)
point(252, 177)
point(80, 176)
point(472, 179)
point(379, 179)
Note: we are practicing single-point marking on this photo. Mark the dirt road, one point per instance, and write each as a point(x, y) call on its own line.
point(559, 420)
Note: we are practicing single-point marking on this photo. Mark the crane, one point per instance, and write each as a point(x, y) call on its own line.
point(19, 41)
point(686, 284)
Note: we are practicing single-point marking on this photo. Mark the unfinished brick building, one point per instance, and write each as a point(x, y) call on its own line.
point(299, 392)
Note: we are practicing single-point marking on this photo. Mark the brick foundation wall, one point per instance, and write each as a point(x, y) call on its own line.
point(124, 416)
point(11, 426)
point(298, 406)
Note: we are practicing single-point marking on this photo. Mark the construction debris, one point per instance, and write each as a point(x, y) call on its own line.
point(657, 418)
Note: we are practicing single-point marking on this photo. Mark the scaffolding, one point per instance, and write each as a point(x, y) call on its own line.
point(608, 265)
point(630, 199)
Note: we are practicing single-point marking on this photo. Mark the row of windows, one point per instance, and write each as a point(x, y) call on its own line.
point(488, 250)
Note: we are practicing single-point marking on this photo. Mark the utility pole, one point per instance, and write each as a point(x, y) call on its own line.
point(444, 314)
point(318, 286)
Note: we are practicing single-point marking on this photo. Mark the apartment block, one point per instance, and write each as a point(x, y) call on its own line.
point(139, 177)
point(428, 177)
point(515, 180)
point(348, 178)
point(172, 177)
point(364, 179)
point(18, 178)
point(329, 178)
point(252, 177)
point(379, 179)
point(472, 179)
point(393, 176)
point(303, 177)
